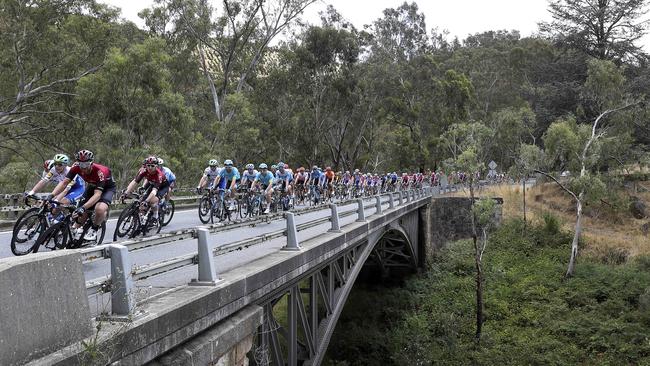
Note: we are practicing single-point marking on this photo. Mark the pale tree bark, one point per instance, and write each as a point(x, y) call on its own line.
point(580, 196)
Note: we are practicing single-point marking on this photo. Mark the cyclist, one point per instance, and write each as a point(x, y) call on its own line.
point(227, 179)
point(156, 179)
point(329, 180)
point(316, 179)
point(359, 181)
point(264, 180)
point(171, 177)
point(210, 174)
point(248, 176)
point(55, 171)
point(284, 177)
point(98, 192)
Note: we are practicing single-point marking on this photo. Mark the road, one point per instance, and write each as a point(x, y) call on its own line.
point(187, 219)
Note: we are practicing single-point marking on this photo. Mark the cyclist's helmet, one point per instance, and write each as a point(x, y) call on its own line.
point(84, 155)
point(301, 169)
point(161, 161)
point(315, 167)
point(250, 166)
point(152, 160)
point(263, 166)
point(48, 164)
point(347, 172)
point(328, 168)
point(227, 162)
point(280, 165)
point(62, 159)
point(356, 171)
point(274, 166)
point(212, 162)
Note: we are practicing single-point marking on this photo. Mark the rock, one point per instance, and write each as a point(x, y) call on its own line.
point(638, 208)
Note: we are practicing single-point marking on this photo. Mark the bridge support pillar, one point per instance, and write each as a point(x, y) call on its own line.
point(336, 227)
point(401, 198)
point(122, 296)
point(361, 214)
point(378, 209)
point(207, 269)
point(408, 196)
point(391, 204)
point(292, 233)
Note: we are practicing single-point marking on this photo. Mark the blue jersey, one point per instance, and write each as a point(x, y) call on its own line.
point(171, 178)
point(283, 176)
point(265, 179)
point(233, 174)
point(248, 176)
point(316, 174)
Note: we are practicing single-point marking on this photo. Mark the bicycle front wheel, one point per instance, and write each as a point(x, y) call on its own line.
point(55, 237)
point(168, 213)
point(26, 233)
point(205, 209)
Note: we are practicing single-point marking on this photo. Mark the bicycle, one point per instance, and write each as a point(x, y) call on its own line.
point(214, 204)
point(166, 209)
point(136, 218)
point(60, 235)
point(251, 203)
point(29, 226)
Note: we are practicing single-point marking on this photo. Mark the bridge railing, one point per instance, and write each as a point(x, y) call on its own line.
point(120, 282)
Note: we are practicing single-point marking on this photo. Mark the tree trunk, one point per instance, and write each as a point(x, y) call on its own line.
point(576, 237)
point(523, 183)
point(213, 89)
point(479, 273)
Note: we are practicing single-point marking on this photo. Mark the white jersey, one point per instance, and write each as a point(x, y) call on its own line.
point(247, 176)
point(211, 174)
point(53, 176)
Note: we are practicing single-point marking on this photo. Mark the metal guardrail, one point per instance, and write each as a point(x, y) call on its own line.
point(205, 257)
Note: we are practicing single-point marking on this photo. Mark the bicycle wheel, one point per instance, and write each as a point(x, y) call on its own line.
point(168, 213)
point(126, 223)
point(55, 237)
point(205, 209)
point(26, 233)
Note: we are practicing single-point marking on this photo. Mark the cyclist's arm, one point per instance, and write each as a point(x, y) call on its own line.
point(203, 181)
point(60, 187)
point(38, 186)
point(94, 199)
point(131, 187)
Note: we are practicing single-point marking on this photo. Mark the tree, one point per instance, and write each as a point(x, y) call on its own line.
point(603, 29)
point(50, 45)
point(232, 44)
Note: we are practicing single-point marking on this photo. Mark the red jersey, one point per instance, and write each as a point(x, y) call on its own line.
point(99, 176)
point(157, 177)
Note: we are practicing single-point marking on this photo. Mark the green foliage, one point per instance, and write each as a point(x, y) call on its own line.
point(15, 176)
point(562, 143)
point(533, 315)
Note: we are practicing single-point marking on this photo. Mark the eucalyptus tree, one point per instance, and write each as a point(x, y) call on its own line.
point(608, 30)
point(49, 46)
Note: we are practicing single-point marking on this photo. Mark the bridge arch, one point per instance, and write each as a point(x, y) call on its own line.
point(315, 303)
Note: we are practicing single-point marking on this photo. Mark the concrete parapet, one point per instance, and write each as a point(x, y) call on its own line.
point(226, 343)
point(43, 306)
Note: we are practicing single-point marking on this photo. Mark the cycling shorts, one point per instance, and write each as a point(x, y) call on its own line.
point(107, 194)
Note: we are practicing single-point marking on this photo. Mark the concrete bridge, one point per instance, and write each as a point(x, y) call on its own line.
point(279, 308)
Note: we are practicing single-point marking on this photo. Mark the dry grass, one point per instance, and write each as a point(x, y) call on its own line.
point(608, 236)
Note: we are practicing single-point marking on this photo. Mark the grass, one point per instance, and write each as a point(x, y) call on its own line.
point(608, 234)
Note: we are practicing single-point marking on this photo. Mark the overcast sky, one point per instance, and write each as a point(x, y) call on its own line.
point(459, 17)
